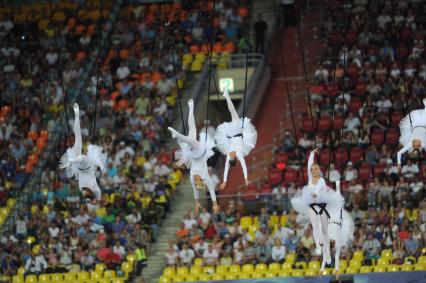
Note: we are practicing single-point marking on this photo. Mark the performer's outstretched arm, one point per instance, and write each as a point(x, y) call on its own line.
point(77, 132)
point(401, 152)
point(226, 170)
point(231, 107)
point(243, 165)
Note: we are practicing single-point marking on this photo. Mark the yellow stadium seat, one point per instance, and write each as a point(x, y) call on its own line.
point(96, 275)
point(118, 280)
point(355, 263)
point(243, 275)
point(300, 265)
point(393, 268)
point(104, 280)
point(196, 66)
point(270, 274)
point(191, 278)
point(257, 275)
point(406, 268)
point(127, 267)
point(247, 268)
point(358, 255)
point(57, 277)
point(83, 276)
point(274, 267)
point(290, 257)
point(182, 271)
point(273, 220)
point(11, 202)
point(383, 262)
point(100, 267)
point(44, 278)
point(169, 271)
point(255, 221)
point(198, 261)
point(245, 222)
point(178, 278)
point(164, 279)
point(261, 267)
point(221, 269)
point(297, 272)
point(21, 270)
point(131, 258)
point(421, 259)
point(287, 265)
point(311, 272)
point(231, 276)
point(414, 214)
point(208, 269)
point(204, 278)
point(285, 272)
point(351, 270)
point(410, 260)
point(217, 276)
point(187, 57)
point(109, 274)
point(315, 265)
point(326, 271)
point(235, 268)
point(195, 270)
point(386, 253)
point(31, 279)
point(18, 279)
point(379, 268)
point(222, 65)
point(420, 266)
point(343, 264)
point(283, 219)
point(70, 276)
point(365, 269)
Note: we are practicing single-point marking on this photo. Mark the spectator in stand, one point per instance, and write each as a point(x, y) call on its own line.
point(371, 247)
point(186, 255)
point(210, 256)
point(350, 173)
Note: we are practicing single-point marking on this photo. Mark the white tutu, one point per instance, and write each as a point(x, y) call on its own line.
point(227, 130)
point(186, 153)
point(303, 199)
point(414, 129)
point(343, 233)
point(94, 158)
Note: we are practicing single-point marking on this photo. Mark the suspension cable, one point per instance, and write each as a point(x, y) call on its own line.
point(167, 24)
point(98, 63)
point(59, 71)
point(284, 67)
point(330, 136)
point(305, 75)
point(245, 79)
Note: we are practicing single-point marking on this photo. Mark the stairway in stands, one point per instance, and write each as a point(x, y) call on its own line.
point(274, 113)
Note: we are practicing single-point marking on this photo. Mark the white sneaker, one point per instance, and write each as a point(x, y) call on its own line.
point(76, 109)
point(191, 104)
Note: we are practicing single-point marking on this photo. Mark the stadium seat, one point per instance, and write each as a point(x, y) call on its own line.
point(31, 279)
point(270, 274)
point(244, 275)
point(365, 269)
point(290, 258)
point(355, 105)
point(301, 265)
point(290, 175)
point(324, 124)
point(274, 267)
point(44, 278)
point(358, 255)
point(285, 272)
point(356, 155)
point(57, 277)
point(196, 270)
point(351, 270)
point(95, 275)
point(421, 259)
point(164, 279)
point(386, 254)
point(337, 123)
point(393, 268)
point(297, 272)
point(406, 268)
point(18, 279)
point(198, 261)
point(182, 271)
point(169, 271)
point(221, 269)
point(178, 279)
point(273, 220)
point(314, 265)
point(274, 178)
point(343, 264)
point(308, 125)
point(261, 267)
point(377, 137)
point(364, 172)
point(100, 267)
point(235, 268)
point(341, 157)
point(383, 261)
point(396, 117)
point(231, 276)
point(217, 276)
point(379, 268)
point(247, 268)
point(70, 276)
point(392, 137)
point(355, 263)
point(204, 278)
point(283, 220)
point(420, 267)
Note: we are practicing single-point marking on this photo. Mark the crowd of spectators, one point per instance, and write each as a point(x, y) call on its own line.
point(372, 74)
point(56, 232)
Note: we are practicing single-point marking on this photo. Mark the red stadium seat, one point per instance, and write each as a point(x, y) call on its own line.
point(361, 88)
point(350, 38)
point(282, 157)
point(324, 124)
point(392, 136)
point(378, 169)
point(364, 172)
point(356, 155)
point(352, 71)
point(324, 157)
point(355, 104)
point(396, 117)
point(308, 125)
point(290, 175)
point(275, 176)
point(377, 137)
point(337, 123)
point(317, 89)
point(266, 188)
point(251, 193)
point(341, 157)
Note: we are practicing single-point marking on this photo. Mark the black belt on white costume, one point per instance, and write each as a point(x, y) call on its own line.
point(322, 207)
point(236, 136)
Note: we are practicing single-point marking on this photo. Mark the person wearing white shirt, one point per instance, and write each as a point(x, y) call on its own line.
point(350, 172)
point(334, 174)
point(278, 251)
point(35, 264)
point(21, 227)
point(122, 71)
point(210, 256)
point(200, 247)
point(416, 185)
point(189, 222)
point(305, 142)
point(54, 232)
point(409, 170)
point(52, 57)
point(119, 249)
point(172, 257)
point(383, 104)
point(352, 123)
point(204, 217)
point(283, 233)
point(186, 255)
point(321, 74)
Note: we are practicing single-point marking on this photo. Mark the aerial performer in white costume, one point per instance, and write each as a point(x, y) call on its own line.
point(340, 230)
point(413, 133)
point(319, 202)
point(83, 167)
point(194, 154)
point(235, 139)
